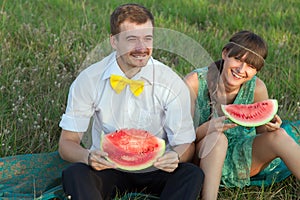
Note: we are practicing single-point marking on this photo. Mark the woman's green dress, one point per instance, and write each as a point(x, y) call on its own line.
point(237, 163)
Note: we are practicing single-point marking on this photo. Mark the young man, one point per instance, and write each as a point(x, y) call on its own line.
point(161, 106)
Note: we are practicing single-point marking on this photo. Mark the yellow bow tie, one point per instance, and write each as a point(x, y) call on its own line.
point(118, 83)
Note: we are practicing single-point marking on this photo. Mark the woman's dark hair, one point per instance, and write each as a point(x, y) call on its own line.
point(247, 42)
point(132, 12)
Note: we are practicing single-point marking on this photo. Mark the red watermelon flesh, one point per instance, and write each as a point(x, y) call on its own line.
point(251, 115)
point(132, 149)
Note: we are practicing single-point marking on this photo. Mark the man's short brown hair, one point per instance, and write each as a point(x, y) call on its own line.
point(131, 12)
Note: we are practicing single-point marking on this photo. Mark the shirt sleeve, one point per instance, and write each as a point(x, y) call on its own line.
point(179, 124)
point(80, 105)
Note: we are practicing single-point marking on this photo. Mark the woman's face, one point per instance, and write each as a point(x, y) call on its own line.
point(236, 71)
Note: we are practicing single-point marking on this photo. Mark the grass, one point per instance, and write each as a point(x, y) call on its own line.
point(45, 43)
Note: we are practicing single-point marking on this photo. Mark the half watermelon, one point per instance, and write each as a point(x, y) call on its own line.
point(251, 115)
point(132, 149)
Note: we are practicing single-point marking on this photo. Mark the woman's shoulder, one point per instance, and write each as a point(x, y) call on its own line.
point(201, 72)
point(192, 82)
point(260, 92)
point(197, 74)
point(259, 82)
point(260, 85)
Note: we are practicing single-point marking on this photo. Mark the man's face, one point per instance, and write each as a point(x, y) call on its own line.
point(133, 45)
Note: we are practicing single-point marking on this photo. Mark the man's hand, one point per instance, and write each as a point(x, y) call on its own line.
point(97, 160)
point(168, 162)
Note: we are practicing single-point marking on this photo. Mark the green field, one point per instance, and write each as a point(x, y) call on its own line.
point(45, 43)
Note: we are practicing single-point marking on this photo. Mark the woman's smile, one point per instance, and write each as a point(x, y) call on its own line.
point(237, 75)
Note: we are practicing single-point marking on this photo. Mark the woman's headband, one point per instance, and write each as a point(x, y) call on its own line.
point(248, 50)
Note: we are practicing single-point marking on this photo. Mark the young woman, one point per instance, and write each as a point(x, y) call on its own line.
point(225, 151)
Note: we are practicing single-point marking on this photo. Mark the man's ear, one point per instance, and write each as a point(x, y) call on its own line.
point(113, 41)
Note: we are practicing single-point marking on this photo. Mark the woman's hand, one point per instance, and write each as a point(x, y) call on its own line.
point(215, 125)
point(168, 162)
point(219, 124)
point(274, 124)
point(97, 160)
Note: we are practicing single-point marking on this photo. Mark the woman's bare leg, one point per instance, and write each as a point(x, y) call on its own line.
point(212, 164)
point(270, 145)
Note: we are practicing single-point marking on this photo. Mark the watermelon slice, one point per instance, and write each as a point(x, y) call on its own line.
point(251, 115)
point(132, 149)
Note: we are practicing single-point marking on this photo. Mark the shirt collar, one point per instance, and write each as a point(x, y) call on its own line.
point(146, 72)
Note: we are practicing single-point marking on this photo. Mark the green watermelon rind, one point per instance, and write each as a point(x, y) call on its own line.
point(148, 164)
point(252, 124)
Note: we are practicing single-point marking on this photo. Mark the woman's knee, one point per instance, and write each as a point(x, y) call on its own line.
point(214, 144)
point(279, 136)
point(223, 141)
